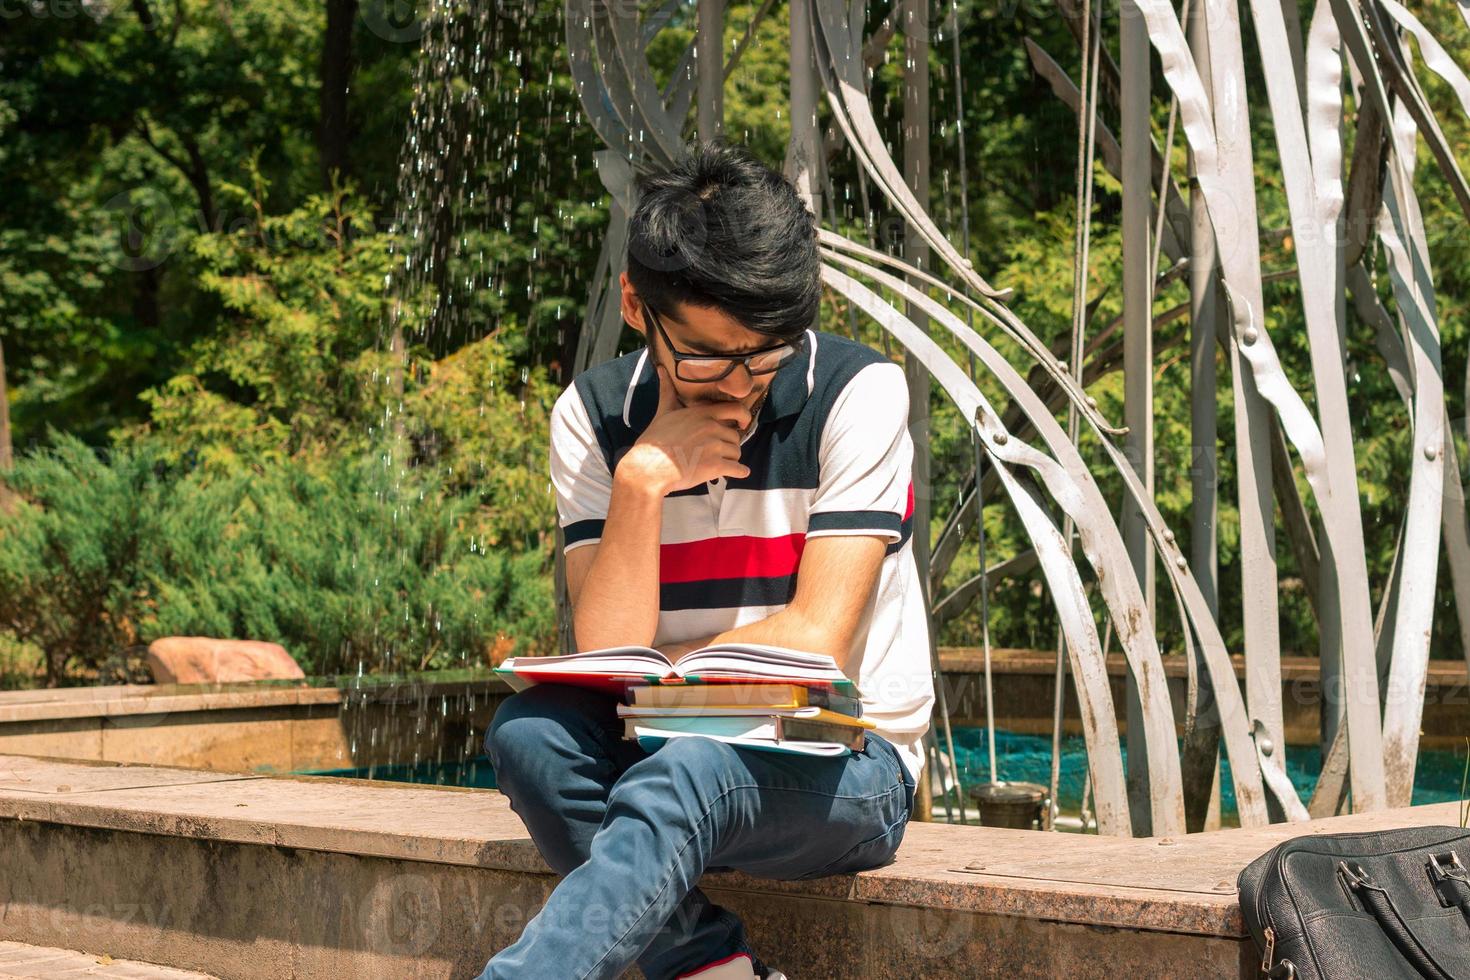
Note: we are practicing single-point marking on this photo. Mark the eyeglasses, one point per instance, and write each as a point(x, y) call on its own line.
point(705, 368)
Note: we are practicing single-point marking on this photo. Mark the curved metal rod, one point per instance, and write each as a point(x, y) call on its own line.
point(679, 93)
point(839, 63)
point(959, 598)
point(1101, 363)
point(1175, 241)
point(1403, 84)
point(1055, 368)
point(630, 54)
point(597, 295)
point(592, 91)
point(1311, 164)
point(1093, 687)
point(1235, 722)
point(1401, 229)
point(1234, 719)
point(615, 77)
point(1436, 58)
point(750, 30)
point(647, 136)
point(610, 326)
point(1337, 499)
point(1274, 772)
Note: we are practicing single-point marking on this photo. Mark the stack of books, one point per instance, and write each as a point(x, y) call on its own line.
point(805, 719)
point(757, 696)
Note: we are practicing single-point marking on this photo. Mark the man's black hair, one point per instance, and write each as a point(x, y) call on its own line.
point(721, 229)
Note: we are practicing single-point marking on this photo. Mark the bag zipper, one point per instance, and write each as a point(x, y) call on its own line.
point(1264, 917)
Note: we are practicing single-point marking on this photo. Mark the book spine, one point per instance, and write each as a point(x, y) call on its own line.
point(822, 697)
point(805, 730)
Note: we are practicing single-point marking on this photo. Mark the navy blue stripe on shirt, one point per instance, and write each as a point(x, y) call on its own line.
point(904, 530)
point(727, 593)
point(698, 490)
point(855, 520)
point(581, 531)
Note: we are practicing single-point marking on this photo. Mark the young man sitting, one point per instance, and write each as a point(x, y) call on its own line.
point(741, 478)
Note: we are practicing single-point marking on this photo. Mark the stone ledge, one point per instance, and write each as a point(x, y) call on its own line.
point(1179, 886)
point(19, 961)
point(144, 699)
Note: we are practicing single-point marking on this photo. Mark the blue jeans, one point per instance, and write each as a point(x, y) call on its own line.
point(632, 831)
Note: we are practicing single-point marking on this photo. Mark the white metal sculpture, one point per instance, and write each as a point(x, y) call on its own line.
point(1369, 742)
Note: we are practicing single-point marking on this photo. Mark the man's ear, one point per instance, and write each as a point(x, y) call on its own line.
point(632, 305)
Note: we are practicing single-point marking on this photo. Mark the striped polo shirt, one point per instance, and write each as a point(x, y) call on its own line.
point(829, 454)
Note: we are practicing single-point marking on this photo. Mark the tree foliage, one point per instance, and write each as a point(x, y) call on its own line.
point(202, 251)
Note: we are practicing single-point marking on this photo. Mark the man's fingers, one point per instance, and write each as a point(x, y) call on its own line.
point(668, 400)
point(728, 412)
point(724, 433)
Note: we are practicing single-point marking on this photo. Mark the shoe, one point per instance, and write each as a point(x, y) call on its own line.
point(736, 966)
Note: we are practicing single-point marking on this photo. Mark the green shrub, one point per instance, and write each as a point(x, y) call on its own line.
point(347, 568)
point(73, 552)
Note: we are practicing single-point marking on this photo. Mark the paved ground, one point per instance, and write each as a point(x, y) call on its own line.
point(21, 962)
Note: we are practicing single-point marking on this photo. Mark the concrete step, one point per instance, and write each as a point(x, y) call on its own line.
point(21, 962)
point(317, 878)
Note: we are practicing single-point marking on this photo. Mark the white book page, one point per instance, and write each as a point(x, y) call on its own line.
point(615, 660)
point(695, 711)
point(795, 748)
point(762, 653)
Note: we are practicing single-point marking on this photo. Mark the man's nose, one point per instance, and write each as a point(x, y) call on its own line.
point(738, 383)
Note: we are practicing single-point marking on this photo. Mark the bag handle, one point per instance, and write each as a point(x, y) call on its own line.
point(1376, 900)
point(1451, 881)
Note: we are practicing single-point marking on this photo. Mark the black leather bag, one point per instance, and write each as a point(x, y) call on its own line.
point(1386, 905)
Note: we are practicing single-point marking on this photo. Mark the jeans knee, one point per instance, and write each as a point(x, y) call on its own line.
point(533, 722)
point(515, 724)
point(695, 768)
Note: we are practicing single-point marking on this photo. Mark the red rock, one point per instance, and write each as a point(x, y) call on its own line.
point(203, 660)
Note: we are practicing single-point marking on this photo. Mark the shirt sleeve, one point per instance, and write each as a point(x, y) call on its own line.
point(579, 472)
point(866, 459)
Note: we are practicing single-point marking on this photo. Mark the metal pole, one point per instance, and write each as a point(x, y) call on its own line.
point(1087, 90)
point(1204, 322)
point(709, 56)
point(959, 138)
point(916, 131)
point(1137, 146)
point(801, 151)
point(985, 619)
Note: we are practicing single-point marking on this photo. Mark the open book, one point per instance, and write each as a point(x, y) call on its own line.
point(613, 669)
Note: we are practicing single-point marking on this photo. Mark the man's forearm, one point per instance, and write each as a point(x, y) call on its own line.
point(787, 628)
point(619, 601)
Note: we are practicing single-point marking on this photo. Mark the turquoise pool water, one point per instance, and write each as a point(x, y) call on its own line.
point(1018, 757)
point(477, 773)
point(1027, 758)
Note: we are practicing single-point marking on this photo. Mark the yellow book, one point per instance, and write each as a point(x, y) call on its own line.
point(805, 713)
point(752, 696)
point(692, 695)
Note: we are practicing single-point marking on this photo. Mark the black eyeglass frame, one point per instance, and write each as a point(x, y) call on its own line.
point(796, 346)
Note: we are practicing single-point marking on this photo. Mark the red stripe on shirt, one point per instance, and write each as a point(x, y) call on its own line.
point(737, 556)
point(909, 510)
